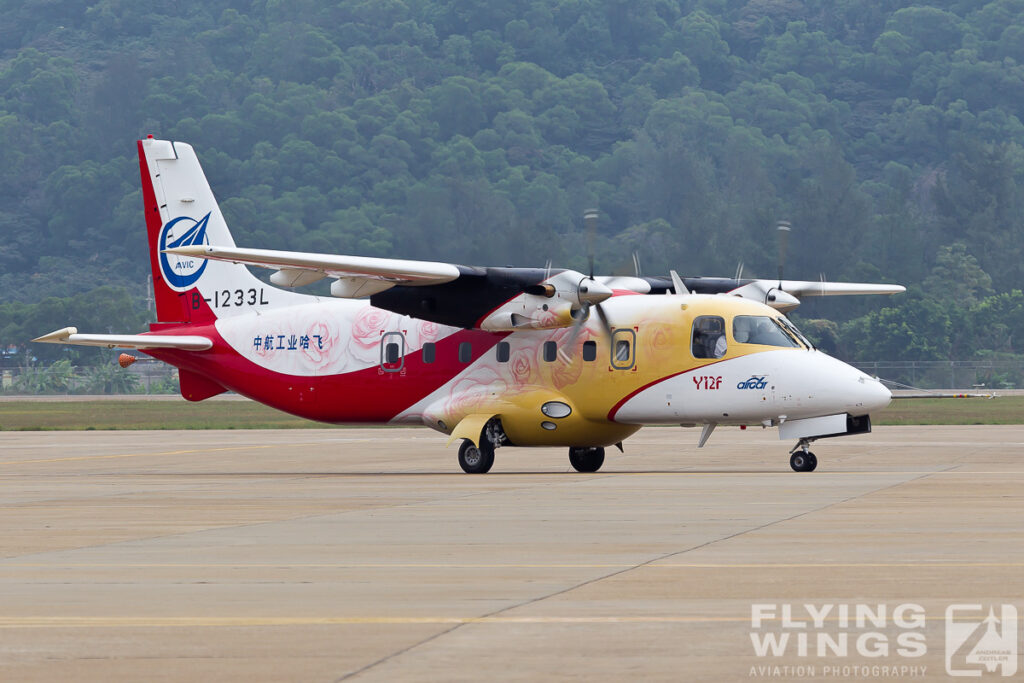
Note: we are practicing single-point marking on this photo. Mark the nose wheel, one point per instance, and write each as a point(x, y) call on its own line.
point(801, 459)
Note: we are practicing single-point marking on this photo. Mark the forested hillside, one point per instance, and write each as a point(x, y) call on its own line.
point(887, 132)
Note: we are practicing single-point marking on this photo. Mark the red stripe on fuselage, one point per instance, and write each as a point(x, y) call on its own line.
point(617, 406)
point(370, 395)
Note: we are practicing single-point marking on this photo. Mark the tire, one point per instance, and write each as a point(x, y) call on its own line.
point(586, 459)
point(474, 459)
point(803, 462)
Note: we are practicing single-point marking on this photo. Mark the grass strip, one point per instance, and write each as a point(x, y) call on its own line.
point(143, 414)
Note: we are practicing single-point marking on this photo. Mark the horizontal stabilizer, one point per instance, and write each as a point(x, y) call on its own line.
point(350, 268)
point(69, 335)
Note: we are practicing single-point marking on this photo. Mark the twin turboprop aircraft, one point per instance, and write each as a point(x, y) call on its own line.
point(492, 356)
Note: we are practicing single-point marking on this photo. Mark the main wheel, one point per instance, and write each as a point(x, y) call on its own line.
point(475, 459)
point(586, 459)
point(803, 462)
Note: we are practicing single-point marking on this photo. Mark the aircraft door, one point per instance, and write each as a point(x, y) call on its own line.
point(392, 352)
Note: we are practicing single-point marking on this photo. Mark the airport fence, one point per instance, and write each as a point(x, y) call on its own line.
point(153, 377)
point(987, 375)
point(144, 377)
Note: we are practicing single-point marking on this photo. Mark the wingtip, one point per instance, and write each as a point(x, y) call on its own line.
point(57, 336)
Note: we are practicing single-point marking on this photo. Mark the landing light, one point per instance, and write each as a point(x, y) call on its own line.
point(556, 409)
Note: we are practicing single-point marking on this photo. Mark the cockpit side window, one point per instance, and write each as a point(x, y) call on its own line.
point(763, 330)
point(708, 337)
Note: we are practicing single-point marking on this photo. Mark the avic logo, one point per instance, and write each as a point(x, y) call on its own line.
point(181, 272)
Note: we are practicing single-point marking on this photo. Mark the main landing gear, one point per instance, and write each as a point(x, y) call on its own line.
point(586, 459)
point(476, 459)
point(480, 459)
point(801, 459)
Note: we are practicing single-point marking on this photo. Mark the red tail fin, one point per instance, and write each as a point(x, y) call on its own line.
point(171, 306)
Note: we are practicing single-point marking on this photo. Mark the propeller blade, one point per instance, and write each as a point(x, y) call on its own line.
point(590, 220)
point(605, 325)
point(783, 230)
point(574, 333)
point(569, 349)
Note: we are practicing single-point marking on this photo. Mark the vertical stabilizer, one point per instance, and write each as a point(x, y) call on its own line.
point(181, 211)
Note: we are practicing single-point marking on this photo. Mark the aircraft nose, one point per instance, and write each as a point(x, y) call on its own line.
point(872, 393)
point(851, 390)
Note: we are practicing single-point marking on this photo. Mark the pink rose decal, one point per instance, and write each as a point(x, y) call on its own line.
point(366, 333)
point(521, 365)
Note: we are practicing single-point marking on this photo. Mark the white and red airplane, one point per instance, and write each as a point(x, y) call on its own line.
point(492, 356)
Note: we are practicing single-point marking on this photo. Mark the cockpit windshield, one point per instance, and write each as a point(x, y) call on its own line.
point(767, 331)
point(789, 326)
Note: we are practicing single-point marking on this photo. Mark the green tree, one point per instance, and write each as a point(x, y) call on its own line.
point(957, 278)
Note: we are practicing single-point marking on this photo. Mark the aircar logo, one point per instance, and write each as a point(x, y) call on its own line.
point(181, 272)
point(753, 383)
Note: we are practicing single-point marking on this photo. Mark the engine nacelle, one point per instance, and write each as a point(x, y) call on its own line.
point(547, 305)
point(529, 311)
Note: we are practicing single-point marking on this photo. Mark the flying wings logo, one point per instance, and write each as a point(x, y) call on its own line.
point(182, 272)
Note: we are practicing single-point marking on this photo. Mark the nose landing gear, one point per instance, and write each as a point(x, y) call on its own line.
point(801, 459)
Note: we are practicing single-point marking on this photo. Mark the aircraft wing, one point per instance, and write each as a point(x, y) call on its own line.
point(810, 288)
point(497, 298)
point(787, 297)
point(69, 335)
point(357, 276)
point(784, 298)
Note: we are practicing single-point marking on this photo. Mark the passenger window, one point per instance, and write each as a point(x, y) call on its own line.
point(391, 353)
point(623, 345)
point(465, 352)
point(503, 352)
point(428, 352)
point(589, 351)
point(550, 351)
point(708, 337)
